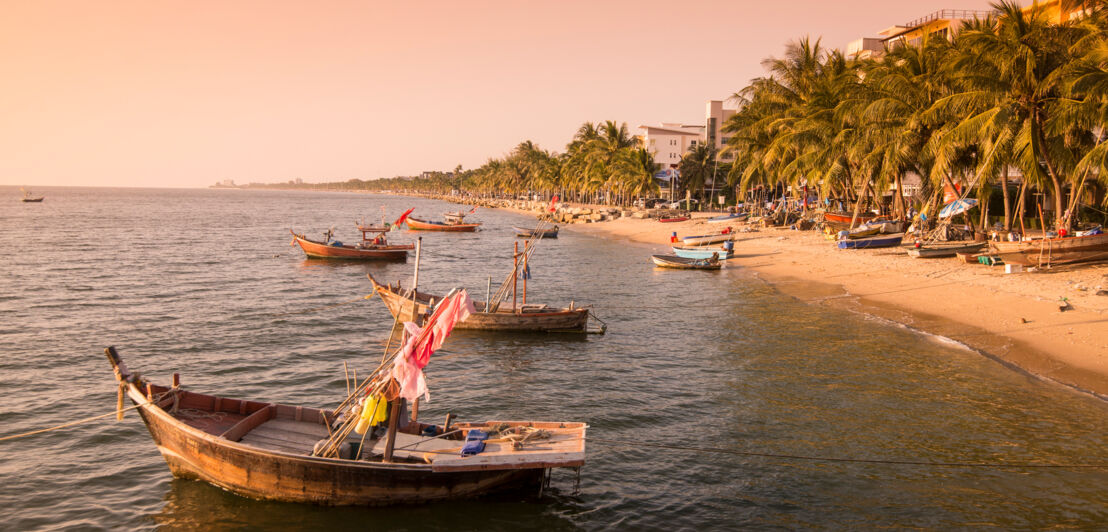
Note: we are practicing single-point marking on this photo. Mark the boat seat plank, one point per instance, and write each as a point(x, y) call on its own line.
point(277, 444)
point(295, 438)
point(315, 430)
point(418, 447)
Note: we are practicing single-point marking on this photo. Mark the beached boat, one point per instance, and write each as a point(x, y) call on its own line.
point(1052, 251)
point(31, 198)
point(880, 241)
point(528, 233)
point(673, 219)
point(712, 238)
point(733, 217)
point(721, 252)
point(301, 454)
point(373, 246)
point(683, 263)
point(525, 317)
point(845, 217)
point(950, 249)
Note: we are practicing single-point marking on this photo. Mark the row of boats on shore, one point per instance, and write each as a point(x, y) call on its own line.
point(372, 448)
point(707, 251)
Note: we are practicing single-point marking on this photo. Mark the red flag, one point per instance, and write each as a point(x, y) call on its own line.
point(403, 217)
point(552, 202)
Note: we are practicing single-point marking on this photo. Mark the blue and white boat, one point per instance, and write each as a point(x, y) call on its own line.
point(733, 217)
point(880, 241)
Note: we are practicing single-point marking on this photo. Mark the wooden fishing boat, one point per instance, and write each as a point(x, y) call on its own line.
point(415, 224)
point(1052, 251)
point(270, 451)
point(712, 238)
point(702, 252)
point(845, 217)
point(969, 257)
point(932, 251)
point(880, 241)
point(733, 217)
point(673, 219)
point(524, 318)
point(528, 233)
point(683, 263)
point(370, 248)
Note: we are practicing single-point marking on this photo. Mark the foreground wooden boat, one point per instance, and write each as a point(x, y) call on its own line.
point(882, 241)
point(415, 224)
point(683, 263)
point(933, 251)
point(528, 233)
point(376, 248)
point(1052, 251)
point(265, 450)
point(525, 318)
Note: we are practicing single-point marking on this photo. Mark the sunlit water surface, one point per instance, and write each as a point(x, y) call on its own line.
point(204, 282)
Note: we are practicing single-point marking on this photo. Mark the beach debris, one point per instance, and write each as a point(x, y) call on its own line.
point(1023, 320)
point(1102, 292)
point(1064, 305)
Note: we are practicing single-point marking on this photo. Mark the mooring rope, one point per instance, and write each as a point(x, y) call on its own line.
point(70, 424)
point(992, 465)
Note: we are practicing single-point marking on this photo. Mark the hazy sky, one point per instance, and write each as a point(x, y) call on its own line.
point(163, 93)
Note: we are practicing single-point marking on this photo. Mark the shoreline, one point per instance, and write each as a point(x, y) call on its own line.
point(1013, 319)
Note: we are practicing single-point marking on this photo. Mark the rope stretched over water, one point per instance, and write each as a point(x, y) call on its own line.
point(70, 424)
point(991, 465)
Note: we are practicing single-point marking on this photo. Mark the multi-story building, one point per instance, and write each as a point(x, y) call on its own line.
point(670, 141)
point(715, 116)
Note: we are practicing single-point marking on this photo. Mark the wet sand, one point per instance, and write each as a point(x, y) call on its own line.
point(1013, 318)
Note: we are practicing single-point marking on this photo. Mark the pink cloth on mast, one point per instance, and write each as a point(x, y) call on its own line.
point(408, 367)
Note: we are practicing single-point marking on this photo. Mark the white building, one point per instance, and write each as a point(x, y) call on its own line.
point(670, 141)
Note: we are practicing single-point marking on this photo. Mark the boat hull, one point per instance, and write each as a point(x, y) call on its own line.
point(319, 250)
point(728, 218)
point(528, 319)
point(528, 233)
point(1051, 251)
point(883, 241)
point(701, 252)
point(703, 240)
point(261, 473)
point(416, 224)
point(33, 200)
point(673, 220)
point(845, 217)
point(934, 252)
point(682, 263)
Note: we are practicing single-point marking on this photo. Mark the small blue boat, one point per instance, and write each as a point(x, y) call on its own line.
point(880, 241)
point(734, 217)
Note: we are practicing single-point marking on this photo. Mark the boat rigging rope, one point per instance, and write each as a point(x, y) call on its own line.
point(116, 412)
point(992, 465)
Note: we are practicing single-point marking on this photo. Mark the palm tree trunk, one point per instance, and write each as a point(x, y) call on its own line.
point(1007, 207)
point(858, 204)
point(1055, 180)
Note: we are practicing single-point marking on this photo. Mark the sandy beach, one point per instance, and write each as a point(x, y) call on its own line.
point(1013, 318)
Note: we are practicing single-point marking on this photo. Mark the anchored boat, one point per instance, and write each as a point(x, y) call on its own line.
point(682, 263)
point(368, 451)
point(1051, 251)
point(374, 246)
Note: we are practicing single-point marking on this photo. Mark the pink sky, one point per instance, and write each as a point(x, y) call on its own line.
point(183, 94)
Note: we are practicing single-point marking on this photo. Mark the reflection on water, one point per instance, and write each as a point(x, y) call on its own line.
point(204, 283)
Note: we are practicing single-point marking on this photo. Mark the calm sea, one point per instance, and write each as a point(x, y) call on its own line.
point(204, 282)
